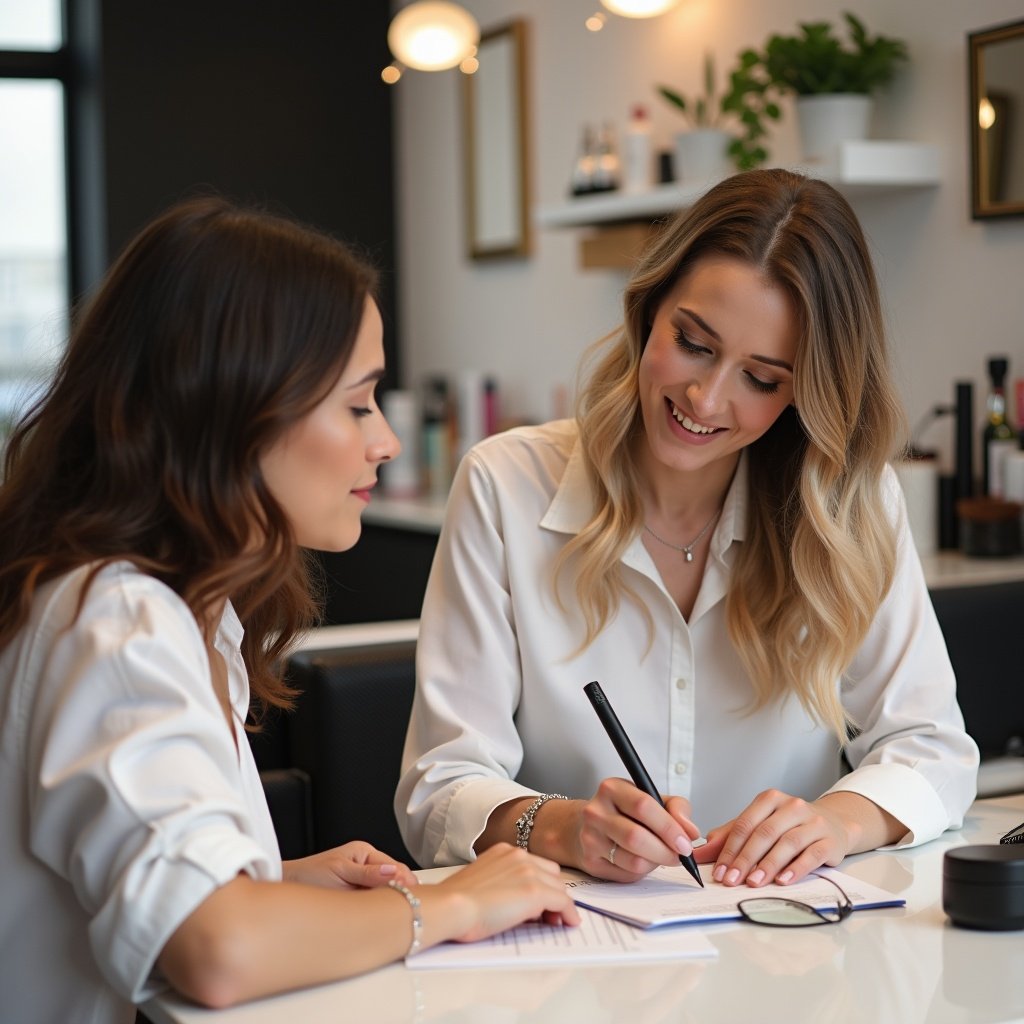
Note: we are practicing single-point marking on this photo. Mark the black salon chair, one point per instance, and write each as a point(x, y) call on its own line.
point(983, 627)
point(342, 744)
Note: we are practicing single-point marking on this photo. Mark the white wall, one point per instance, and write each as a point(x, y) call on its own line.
point(953, 288)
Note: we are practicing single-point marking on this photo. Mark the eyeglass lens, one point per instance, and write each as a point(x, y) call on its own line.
point(787, 913)
point(781, 912)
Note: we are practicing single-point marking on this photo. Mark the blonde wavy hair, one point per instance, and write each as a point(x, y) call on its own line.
point(820, 548)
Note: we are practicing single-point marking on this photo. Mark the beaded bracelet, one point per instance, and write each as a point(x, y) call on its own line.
point(417, 920)
point(524, 823)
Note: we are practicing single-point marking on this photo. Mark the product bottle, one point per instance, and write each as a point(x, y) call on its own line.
point(586, 161)
point(400, 477)
point(1018, 387)
point(607, 171)
point(998, 438)
point(437, 447)
point(637, 162)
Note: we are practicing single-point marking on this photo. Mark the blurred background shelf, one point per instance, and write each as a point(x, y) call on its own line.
point(622, 222)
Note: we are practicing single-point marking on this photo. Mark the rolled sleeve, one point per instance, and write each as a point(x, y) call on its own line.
point(463, 750)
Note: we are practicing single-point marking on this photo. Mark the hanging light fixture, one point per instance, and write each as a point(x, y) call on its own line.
point(639, 8)
point(433, 35)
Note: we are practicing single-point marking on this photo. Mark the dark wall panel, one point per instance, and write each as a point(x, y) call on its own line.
point(277, 103)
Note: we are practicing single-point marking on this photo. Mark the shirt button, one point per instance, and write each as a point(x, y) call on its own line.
point(680, 767)
point(680, 683)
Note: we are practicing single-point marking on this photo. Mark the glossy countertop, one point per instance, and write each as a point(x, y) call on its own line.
point(904, 965)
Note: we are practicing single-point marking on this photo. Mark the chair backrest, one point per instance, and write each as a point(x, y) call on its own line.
point(984, 631)
point(347, 732)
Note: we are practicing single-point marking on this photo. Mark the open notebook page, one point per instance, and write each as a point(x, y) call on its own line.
point(671, 896)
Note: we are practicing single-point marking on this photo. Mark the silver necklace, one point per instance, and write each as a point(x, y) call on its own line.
point(686, 549)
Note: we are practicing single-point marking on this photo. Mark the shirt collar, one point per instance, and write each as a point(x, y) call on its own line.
point(573, 504)
point(230, 631)
point(228, 641)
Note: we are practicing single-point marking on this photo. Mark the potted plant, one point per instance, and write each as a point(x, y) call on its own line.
point(833, 82)
point(701, 152)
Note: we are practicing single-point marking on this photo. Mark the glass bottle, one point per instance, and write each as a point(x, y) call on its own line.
point(607, 170)
point(586, 164)
point(998, 438)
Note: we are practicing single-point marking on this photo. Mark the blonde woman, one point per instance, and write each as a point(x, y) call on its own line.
point(718, 539)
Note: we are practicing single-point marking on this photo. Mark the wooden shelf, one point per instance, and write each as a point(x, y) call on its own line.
point(857, 169)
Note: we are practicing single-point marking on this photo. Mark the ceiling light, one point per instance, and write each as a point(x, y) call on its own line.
point(432, 35)
point(639, 8)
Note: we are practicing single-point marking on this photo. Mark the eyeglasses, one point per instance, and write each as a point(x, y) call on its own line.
point(778, 912)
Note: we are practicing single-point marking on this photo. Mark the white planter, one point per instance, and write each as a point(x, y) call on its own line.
point(826, 121)
point(702, 155)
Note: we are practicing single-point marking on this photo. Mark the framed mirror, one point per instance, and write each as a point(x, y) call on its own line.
point(495, 142)
point(996, 63)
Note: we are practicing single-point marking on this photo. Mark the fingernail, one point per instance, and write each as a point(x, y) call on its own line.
point(733, 877)
point(719, 873)
point(785, 877)
point(388, 869)
point(756, 877)
point(684, 846)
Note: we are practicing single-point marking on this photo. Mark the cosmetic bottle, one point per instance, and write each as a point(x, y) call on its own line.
point(637, 161)
point(1018, 391)
point(437, 433)
point(585, 165)
point(607, 169)
point(998, 438)
point(400, 477)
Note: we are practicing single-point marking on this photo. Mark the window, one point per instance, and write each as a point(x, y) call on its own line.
point(34, 270)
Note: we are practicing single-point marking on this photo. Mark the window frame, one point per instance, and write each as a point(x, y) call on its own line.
point(65, 66)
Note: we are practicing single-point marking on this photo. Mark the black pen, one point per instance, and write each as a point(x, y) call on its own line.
point(626, 750)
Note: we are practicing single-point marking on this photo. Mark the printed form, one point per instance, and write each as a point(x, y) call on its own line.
point(598, 939)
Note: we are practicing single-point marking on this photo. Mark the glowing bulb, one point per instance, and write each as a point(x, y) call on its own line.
point(432, 35)
point(595, 22)
point(986, 113)
point(391, 74)
point(639, 8)
point(469, 66)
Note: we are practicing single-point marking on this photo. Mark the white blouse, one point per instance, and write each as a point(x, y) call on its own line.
point(125, 798)
point(500, 713)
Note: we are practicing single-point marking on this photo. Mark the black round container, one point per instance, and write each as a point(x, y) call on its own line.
point(989, 527)
point(983, 887)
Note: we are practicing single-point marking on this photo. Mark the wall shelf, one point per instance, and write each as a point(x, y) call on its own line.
point(621, 221)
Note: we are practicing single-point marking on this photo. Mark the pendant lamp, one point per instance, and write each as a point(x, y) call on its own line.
point(433, 35)
point(639, 8)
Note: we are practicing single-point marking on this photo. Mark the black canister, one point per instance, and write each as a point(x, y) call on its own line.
point(989, 527)
point(983, 887)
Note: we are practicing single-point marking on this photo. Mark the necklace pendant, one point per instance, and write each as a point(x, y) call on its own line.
point(689, 556)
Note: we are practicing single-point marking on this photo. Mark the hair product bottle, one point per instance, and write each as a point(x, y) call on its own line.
point(998, 438)
point(637, 161)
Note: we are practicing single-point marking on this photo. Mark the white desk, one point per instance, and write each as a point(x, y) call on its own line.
point(903, 966)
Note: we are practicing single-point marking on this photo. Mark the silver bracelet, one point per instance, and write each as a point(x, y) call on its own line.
point(417, 919)
point(524, 823)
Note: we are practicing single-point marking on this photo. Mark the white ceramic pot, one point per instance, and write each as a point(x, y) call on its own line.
point(702, 155)
point(825, 121)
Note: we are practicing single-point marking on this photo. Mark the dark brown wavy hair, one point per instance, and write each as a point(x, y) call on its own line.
point(215, 330)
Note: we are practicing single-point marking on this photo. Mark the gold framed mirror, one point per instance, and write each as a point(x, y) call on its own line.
point(495, 139)
point(996, 63)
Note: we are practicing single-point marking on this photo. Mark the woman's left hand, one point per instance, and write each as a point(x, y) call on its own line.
point(781, 838)
point(356, 865)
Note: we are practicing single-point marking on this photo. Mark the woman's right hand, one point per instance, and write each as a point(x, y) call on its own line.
point(503, 887)
point(625, 834)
